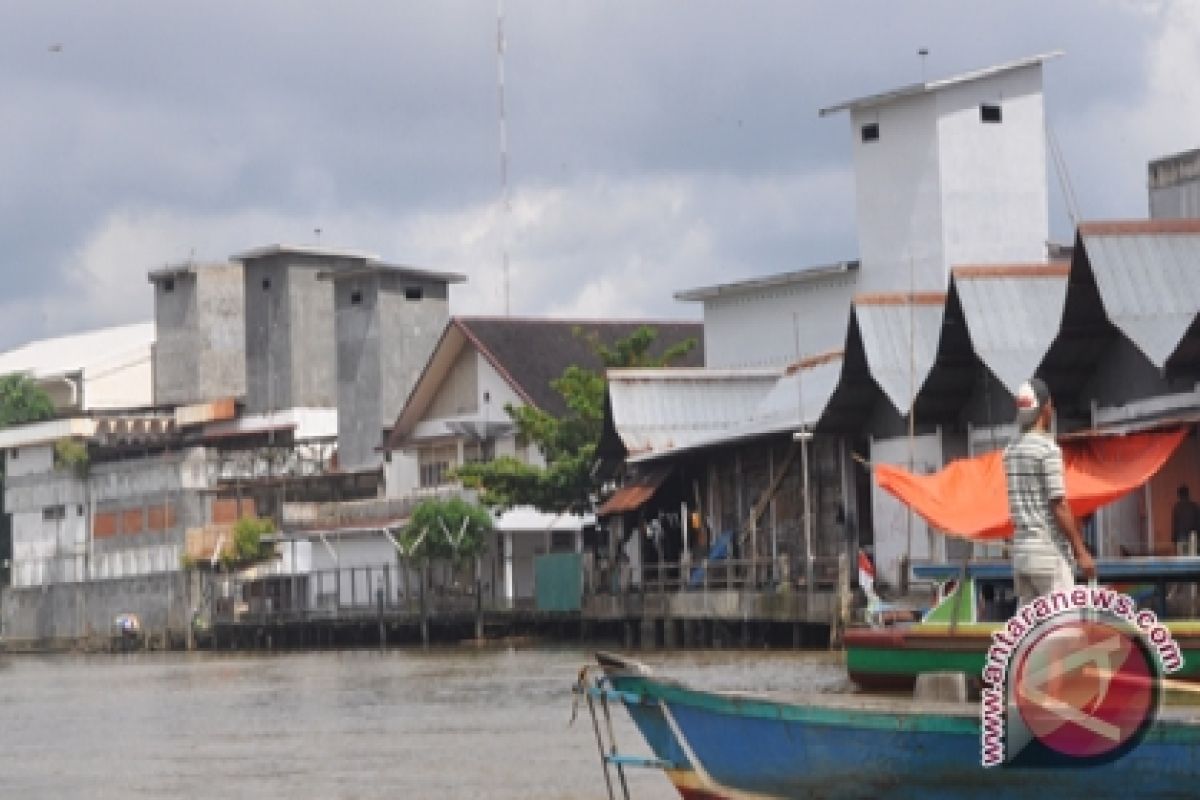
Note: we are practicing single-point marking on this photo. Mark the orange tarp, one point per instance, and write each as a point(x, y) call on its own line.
point(969, 498)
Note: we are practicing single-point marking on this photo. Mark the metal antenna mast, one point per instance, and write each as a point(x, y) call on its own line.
point(505, 201)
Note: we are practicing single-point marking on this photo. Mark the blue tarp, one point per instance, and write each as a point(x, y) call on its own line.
point(720, 549)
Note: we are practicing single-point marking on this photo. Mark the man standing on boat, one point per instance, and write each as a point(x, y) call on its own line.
point(1046, 539)
point(1185, 523)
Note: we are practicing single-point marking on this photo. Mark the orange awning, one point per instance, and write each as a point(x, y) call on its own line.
point(634, 495)
point(969, 497)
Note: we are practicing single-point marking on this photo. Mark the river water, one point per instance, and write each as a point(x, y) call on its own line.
point(444, 723)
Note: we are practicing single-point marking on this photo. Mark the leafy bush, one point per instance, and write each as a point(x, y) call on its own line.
point(72, 455)
point(247, 539)
point(22, 400)
point(453, 530)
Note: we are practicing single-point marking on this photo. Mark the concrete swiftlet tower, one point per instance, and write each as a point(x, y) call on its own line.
point(950, 172)
point(387, 320)
point(200, 336)
point(331, 329)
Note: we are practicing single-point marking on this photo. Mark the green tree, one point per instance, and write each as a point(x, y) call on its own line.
point(567, 442)
point(453, 530)
point(22, 401)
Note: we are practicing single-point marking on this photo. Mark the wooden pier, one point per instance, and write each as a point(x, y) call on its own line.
point(725, 604)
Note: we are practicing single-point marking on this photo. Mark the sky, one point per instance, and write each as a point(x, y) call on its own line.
point(653, 145)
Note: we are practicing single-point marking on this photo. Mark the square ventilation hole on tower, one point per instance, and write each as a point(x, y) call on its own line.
point(990, 112)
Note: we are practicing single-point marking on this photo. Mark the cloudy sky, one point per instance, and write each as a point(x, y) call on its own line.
point(654, 145)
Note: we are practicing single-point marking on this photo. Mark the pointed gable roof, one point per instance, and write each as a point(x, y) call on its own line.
point(1146, 272)
point(529, 353)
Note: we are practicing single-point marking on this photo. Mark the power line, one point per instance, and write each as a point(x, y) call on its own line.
point(1064, 176)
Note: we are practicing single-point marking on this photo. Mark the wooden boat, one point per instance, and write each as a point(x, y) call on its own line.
point(955, 634)
point(721, 745)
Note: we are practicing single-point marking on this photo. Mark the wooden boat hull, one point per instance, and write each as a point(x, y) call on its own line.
point(721, 745)
point(890, 659)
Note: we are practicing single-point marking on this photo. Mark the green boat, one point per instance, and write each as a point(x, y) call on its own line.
point(955, 634)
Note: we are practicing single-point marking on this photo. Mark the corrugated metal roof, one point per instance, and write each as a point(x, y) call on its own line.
point(81, 352)
point(658, 410)
point(809, 387)
point(922, 88)
point(799, 397)
point(807, 275)
point(1012, 315)
point(900, 337)
point(634, 495)
point(1147, 274)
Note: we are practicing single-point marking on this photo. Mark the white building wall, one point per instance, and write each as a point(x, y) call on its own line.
point(898, 197)
point(758, 328)
point(993, 175)
point(940, 187)
point(51, 508)
point(29, 460)
point(891, 517)
point(128, 383)
point(47, 547)
point(367, 550)
point(499, 394)
point(401, 475)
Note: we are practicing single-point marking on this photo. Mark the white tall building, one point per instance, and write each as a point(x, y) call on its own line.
point(947, 173)
point(950, 172)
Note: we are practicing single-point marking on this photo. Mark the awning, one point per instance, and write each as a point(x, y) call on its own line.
point(634, 495)
point(969, 498)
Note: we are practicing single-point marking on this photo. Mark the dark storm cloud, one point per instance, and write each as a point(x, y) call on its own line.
point(678, 133)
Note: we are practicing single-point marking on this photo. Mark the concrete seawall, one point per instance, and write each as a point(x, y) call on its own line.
point(81, 614)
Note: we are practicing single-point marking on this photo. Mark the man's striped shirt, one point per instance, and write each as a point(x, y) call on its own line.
point(1033, 468)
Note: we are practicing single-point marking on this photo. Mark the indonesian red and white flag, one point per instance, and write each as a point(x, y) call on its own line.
point(866, 572)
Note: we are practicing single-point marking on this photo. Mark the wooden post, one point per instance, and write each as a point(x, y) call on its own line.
point(842, 606)
point(478, 600)
point(379, 615)
point(424, 606)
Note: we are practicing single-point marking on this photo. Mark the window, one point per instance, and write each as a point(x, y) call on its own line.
point(169, 285)
point(356, 297)
point(413, 293)
point(434, 464)
point(14, 453)
point(870, 132)
point(989, 112)
point(53, 513)
point(433, 473)
point(266, 284)
point(79, 509)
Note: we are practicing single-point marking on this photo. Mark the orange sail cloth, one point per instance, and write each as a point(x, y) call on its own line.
point(969, 498)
